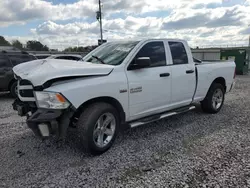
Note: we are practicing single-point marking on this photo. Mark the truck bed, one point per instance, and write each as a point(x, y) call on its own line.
point(214, 61)
point(208, 71)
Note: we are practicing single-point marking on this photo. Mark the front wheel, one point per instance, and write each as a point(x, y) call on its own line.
point(97, 127)
point(214, 99)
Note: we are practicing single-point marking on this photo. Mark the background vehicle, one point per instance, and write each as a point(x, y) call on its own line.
point(9, 59)
point(66, 57)
point(42, 56)
point(130, 83)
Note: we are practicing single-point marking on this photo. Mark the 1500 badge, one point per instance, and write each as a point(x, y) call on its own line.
point(136, 90)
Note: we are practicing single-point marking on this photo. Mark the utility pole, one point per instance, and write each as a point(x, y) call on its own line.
point(99, 18)
point(249, 41)
point(249, 37)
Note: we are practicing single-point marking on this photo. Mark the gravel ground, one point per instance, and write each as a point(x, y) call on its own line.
point(188, 150)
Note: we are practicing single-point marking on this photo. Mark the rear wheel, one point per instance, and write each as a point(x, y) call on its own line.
point(13, 89)
point(214, 99)
point(97, 127)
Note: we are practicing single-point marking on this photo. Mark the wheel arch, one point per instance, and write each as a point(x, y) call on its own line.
point(110, 100)
point(219, 80)
point(222, 81)
point(11, 82)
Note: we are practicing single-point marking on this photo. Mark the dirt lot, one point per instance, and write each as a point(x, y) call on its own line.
point(188, 150)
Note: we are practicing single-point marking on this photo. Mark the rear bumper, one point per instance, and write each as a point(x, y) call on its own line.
point(45, 122)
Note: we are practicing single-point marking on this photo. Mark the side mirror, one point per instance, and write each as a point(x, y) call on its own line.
point(139, 63)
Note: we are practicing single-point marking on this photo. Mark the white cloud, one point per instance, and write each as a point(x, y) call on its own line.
point(134, 28)
point(51, 28)
point(19, 11)
point(247, 2)
point(218, 17)
point(200, 22)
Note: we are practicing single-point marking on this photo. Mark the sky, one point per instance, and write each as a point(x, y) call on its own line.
point(63, 23)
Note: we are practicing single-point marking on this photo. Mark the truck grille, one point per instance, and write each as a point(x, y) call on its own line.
point(25, 90)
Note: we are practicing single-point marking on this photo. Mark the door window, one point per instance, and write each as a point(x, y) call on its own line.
point(42, 56)
point(32, 57)
point(179, 54)
point(62, 57)
point(68, 58)
point(75, 58)
point(4, 61)
point(155, 51)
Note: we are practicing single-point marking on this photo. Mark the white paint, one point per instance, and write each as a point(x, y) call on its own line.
point(40, 71)
point(158, 93)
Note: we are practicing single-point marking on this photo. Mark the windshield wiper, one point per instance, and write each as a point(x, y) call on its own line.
point(99, 59)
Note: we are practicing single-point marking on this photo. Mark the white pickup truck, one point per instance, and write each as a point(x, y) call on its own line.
point(118, 84)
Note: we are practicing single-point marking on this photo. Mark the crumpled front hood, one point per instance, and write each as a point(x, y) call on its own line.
point(41, 71)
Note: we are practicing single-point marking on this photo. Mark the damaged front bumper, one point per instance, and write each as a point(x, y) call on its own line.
point(45, 122)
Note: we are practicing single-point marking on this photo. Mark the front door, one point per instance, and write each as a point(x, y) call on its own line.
point(183, 76)
point(150, 88)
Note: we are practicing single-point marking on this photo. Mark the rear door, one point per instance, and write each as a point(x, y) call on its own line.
point(150, 88)
point(183, 74)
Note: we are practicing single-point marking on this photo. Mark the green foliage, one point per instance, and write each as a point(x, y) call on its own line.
point(80, 49)
point(36, 46)
point(17, 44)
point(4, 42)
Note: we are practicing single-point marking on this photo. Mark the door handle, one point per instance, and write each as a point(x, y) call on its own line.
point(164, 74)
point(190, 71)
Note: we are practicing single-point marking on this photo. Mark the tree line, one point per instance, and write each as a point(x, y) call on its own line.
point(34, 45)
point(80, 49)
point(30, 45)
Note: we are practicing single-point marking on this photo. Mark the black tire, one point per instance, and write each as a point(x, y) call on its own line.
point(207, 105)
point(13, 89)
point(87, 123)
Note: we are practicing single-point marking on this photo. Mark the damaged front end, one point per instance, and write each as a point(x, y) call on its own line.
point(47, 113)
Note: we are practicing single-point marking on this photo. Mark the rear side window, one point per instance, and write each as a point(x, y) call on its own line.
point(63, 57)
point(60, 57)
point(17, 59)
point(4, 61)
point(155, 51)
point(75, 58)
point(32, 57)
point(42, 57)
point(178, 52)
point(68, 58)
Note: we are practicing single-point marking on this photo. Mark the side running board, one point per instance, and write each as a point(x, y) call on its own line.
point(160, 116)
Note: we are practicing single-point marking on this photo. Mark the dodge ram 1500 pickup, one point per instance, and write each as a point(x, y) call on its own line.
point(115, 85)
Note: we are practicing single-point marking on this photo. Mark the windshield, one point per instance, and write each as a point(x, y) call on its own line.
point(111, 53)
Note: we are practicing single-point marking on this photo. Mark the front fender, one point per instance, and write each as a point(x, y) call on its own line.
point(82, 90)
